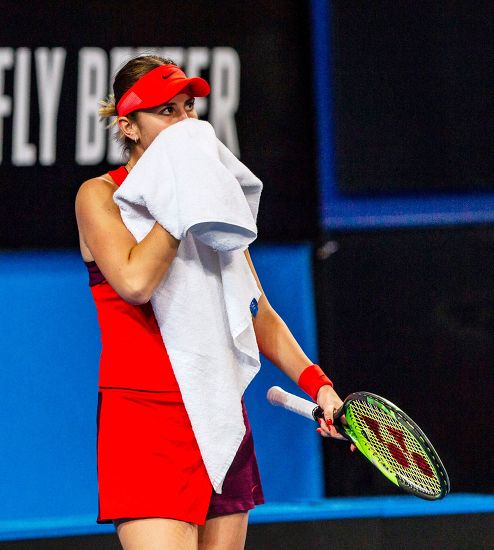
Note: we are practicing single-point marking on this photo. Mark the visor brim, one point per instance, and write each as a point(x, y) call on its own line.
point(197, 87)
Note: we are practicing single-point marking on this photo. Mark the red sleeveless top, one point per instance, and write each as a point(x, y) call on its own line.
point(133, 354)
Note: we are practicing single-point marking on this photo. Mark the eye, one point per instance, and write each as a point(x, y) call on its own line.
point(168, 110)
point(190, 104)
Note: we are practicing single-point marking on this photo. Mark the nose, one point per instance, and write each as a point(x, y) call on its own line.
point(183, 114)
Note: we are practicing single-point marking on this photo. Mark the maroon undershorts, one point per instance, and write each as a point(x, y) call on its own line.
point(242, 488)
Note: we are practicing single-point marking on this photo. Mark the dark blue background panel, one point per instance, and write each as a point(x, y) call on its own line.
point(385, 203)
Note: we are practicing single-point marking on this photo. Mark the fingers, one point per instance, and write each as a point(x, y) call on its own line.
point(327, 424)
point(322, 431)
point(326, 429)
point(325, 432)
point(328, 419)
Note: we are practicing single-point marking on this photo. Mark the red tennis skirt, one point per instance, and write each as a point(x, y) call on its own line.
point(149, 464)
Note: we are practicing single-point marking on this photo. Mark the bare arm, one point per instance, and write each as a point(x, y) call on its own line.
point(278, 344)
point(133, 269)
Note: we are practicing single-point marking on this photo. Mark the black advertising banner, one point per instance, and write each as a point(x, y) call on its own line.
point(57, 61)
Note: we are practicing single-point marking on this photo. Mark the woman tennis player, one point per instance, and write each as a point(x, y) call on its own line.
point(152, 481)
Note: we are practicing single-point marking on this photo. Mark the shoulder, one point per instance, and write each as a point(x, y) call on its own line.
point(98, 185)
point(95, 191)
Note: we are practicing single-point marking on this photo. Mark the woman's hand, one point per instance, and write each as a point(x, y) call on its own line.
point(330, 403)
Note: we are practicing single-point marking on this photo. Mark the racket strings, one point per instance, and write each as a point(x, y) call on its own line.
point(395, 446)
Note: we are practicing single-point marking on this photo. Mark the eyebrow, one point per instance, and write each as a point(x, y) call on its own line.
point(191, 98)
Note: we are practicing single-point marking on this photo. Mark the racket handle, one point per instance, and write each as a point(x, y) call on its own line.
point(281, 398)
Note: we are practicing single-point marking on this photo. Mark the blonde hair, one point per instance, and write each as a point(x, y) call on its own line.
point(108, 109)
point(125, 78)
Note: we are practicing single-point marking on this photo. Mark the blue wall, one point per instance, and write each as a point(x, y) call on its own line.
point(48, 375)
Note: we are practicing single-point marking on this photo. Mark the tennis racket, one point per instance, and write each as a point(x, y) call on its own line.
point(385, 435)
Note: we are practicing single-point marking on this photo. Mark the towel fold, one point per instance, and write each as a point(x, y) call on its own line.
point(190, 183)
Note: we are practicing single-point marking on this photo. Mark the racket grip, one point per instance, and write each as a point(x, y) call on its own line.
point(280, 398)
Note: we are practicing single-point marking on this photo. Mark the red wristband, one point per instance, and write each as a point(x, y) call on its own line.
point(311, 380)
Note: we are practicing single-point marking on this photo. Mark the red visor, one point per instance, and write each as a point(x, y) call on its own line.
point(159, 86)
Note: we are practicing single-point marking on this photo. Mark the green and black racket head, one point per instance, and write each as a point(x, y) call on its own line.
point(386, 436)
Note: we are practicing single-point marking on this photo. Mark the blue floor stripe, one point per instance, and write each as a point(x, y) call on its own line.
point(315, 510)
point(371, 507)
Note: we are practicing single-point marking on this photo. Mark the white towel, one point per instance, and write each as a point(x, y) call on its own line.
point(190, 183)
